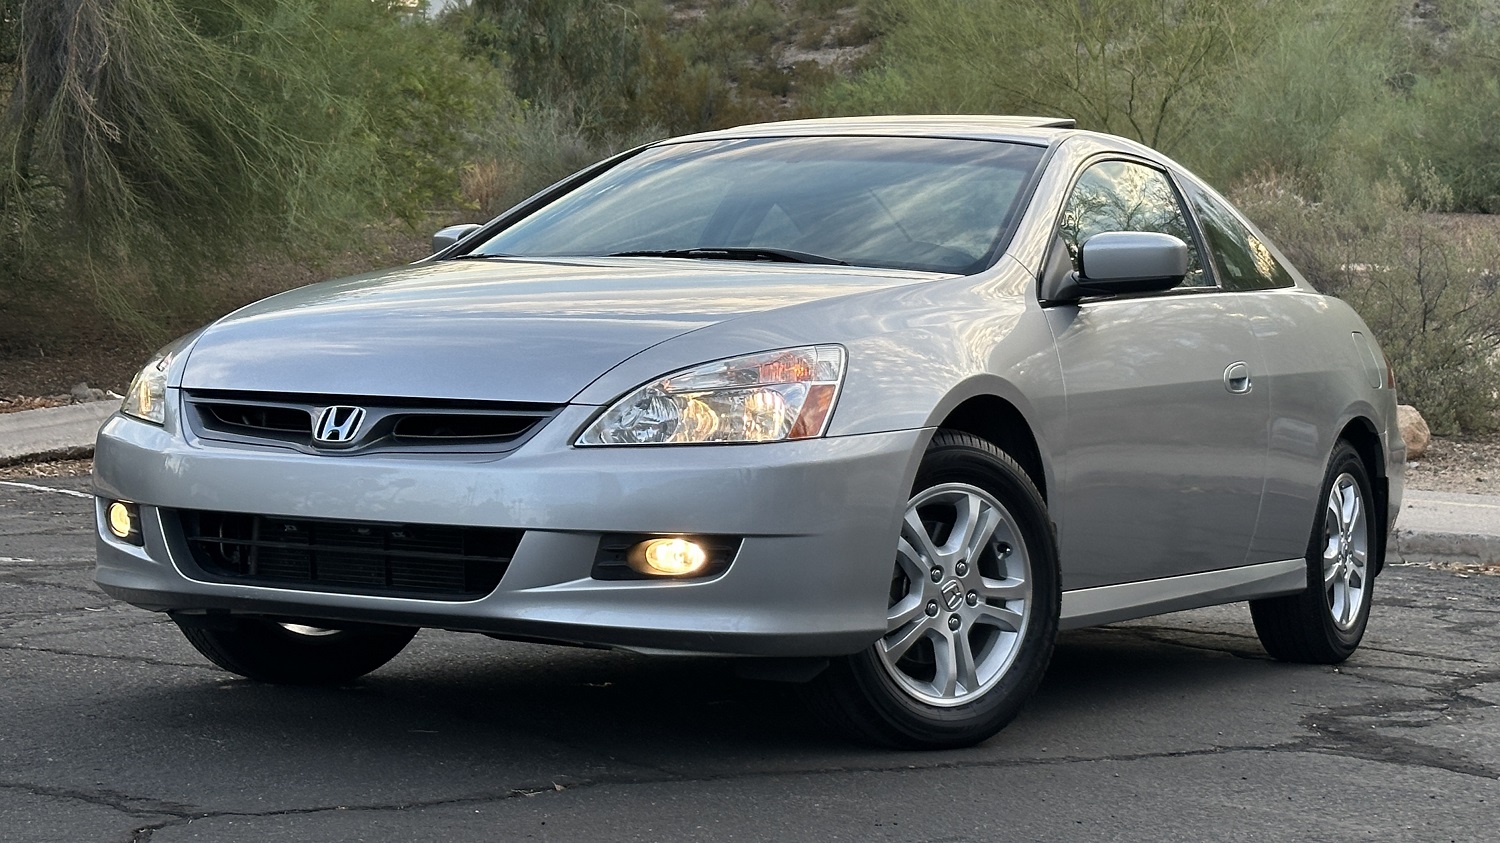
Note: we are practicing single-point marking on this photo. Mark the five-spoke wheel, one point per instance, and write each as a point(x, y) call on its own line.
point(960, 595)
point(1346, 552)
point(972, 612)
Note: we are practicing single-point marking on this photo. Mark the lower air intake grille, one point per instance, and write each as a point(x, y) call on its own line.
point(430, 562)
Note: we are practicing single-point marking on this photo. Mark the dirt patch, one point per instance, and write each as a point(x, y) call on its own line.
point(17, 403)
point(1463, 570)
point(1468, 464)
point(48, 468)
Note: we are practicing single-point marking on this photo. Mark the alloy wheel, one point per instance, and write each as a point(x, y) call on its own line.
point(960, 596)
point(1346, 551)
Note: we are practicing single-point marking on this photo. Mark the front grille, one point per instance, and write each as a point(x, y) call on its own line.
point(432, 562)
point(389, 424)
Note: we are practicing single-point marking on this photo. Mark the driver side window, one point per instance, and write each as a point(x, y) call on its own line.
point(1121, 196)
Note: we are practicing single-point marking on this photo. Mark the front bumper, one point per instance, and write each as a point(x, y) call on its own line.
point(818, 519)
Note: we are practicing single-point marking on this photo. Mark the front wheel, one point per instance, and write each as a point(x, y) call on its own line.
point(296, 654)
point(1325, 623)
point(973, 608)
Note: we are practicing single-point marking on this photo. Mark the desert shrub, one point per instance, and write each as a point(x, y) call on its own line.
point(1329, 86)
point(527, 149)
point(579, 56)
point(617, 69)
point(1454, 106)
point(1153, 70)
point(1426, 283)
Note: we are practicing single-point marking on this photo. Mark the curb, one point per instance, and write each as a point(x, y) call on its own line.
point(67, 431)
point(1458, 548)
point(1448, 527)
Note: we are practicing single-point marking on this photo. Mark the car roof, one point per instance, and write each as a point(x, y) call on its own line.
point(1040, 130)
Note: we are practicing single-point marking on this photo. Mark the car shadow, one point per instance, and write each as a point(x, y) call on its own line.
point(455, 699)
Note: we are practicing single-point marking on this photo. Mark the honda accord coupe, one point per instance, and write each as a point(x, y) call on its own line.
point(880, 403)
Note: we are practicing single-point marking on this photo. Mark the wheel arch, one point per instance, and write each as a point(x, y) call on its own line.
point(1362, 435)
point(999, 422)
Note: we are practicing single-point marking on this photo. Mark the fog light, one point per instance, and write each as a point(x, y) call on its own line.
point(667, 558)
point(123, 520)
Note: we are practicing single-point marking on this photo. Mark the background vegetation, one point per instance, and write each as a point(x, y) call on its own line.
point(148, 145)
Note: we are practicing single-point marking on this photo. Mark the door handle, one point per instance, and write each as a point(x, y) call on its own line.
point(1237, 378)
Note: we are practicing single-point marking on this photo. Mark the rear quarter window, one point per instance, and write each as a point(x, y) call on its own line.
point(1241, 260)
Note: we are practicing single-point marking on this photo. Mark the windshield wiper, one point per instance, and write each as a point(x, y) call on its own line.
point(735, 253)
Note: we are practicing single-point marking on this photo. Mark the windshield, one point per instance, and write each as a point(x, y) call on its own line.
point(932, 204)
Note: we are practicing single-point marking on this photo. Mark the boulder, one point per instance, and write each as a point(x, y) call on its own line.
point(82, 393)
point(1414, 431)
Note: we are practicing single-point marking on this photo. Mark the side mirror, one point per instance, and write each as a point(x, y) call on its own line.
point(452, 234)
point(1119, 262)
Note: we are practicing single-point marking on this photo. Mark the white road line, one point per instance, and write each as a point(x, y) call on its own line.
point(15, 559)
point(45, 489)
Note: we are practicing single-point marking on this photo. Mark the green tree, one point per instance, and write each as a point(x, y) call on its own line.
point(142, 137)
point(1152, 70)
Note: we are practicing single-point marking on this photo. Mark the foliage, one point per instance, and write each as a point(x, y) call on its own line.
point(617, 69)
point(593, 77)
point(527, 149)
point(144, 137)
point(1146, 69)
point(1427, 284)
point(582, 56)
point(1454, 106)
point(1328, 86)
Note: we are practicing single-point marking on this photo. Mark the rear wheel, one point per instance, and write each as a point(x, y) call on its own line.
point(1325, 623)
point(296, 654)
point(972, 613)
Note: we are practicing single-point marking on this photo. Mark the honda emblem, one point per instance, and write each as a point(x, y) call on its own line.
point(338, 425)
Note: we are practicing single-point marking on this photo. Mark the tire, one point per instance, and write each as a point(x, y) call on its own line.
point(966, 648)
point(1324, 623)
point(295, 654)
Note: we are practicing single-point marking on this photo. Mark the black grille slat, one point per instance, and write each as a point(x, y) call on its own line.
point(446, 427)
point(253, 417)
point(428, 561)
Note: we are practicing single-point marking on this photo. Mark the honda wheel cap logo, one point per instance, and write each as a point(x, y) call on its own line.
point(338, 425)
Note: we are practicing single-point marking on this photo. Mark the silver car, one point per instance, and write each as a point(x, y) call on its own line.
point(881, 404)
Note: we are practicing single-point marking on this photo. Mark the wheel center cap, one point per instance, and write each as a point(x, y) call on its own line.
point(953, 594)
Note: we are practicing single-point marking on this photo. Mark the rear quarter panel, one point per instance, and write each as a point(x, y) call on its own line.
point(1319, 385)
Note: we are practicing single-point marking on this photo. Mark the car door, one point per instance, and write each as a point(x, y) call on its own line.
point(1165, 431)
point(1301, 363)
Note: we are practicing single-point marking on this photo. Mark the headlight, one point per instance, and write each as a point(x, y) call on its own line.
point(146, 397)
point(767, 397)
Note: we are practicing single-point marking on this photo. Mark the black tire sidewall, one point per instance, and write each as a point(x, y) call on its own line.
point(263, 650)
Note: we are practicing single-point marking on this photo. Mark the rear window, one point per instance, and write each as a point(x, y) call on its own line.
point(931, 204)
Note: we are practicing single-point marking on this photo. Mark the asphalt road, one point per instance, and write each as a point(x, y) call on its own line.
point(1178, 728)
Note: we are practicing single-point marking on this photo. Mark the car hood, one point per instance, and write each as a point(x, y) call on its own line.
point(512, 330)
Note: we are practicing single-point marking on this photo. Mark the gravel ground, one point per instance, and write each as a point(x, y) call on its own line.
point(1470, 465)
point(49, 468)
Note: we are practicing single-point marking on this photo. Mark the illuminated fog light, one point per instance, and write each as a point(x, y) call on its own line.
point(667, 558)
point(123, 520)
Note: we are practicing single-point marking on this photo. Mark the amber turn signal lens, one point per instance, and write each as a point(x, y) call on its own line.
point(667, 558)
